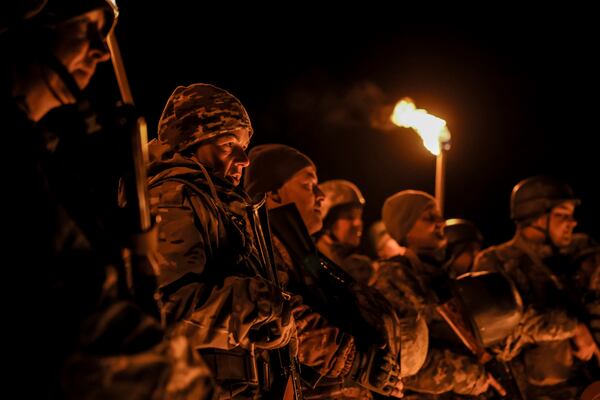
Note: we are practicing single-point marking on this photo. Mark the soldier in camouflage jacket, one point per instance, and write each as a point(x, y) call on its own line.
point(415, 284)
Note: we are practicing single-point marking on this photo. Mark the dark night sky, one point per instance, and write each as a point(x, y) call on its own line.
point(519, 93)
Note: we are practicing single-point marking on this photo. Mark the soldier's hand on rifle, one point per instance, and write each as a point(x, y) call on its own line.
point(387, 375)
point(585, 346)
point(279, 329)
point(379, 371)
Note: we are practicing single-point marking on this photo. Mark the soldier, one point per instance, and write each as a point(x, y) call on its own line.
point(550, 334)
point(334, 344)
point(415, 284)
point(211, 277)
point(81, 336)
point(464, 242)
point(342, 228)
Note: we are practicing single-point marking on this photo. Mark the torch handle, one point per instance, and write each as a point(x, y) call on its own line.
point(440, 178)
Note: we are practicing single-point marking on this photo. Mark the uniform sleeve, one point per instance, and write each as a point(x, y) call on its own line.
point(445, 371)
point(210, 311)
point(400, 290)
point(536, 327)
point(323, 346)
point(360, 267)
point(593, 310)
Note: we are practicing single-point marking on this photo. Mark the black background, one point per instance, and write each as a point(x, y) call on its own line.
point(519, 91)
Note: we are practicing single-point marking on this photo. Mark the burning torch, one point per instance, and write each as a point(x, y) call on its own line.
point(434, 133)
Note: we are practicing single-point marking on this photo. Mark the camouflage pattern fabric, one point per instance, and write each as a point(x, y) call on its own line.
point(83, 337)
point(542, 321)
point(321, 346)
point(209, 267)
point(446, 371)
point(408, 288)
point(168, 370)
point(197, 113)
point(539, 346)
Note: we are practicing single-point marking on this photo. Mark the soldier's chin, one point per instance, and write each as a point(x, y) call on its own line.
point(355, 240)
point(234, 180)
point(564, 241)
point(83, 77)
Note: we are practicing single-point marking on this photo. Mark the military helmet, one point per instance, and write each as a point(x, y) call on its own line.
point(537, 195)
point(39, 13)
point(339, 192)
point(461, 231)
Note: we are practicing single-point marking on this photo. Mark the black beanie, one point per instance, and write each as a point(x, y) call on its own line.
point(271, 166)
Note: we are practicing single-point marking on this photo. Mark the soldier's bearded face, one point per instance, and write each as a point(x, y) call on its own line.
point(427, 234)
point(302, 189)
point(349, 226)
point(79, 47)
point(226, 155)
point(562, 224)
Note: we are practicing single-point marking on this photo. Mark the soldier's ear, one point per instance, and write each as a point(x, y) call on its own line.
point(274, 197)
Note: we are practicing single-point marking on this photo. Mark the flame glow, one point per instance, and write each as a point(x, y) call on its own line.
point(432, 130)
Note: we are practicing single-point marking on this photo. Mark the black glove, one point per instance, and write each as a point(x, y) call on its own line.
point(377, 370)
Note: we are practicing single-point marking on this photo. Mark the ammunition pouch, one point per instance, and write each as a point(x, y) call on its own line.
point(238, 366)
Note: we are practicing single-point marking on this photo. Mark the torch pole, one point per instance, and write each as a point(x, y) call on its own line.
point(440, 178)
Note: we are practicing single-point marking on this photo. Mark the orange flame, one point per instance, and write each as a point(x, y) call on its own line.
point(432, 130)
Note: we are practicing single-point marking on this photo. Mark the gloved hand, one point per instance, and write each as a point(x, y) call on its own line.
point(279, 328)
point(323, 347)
point(379, 370)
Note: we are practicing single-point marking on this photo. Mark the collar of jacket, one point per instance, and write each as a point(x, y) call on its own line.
point(540, 250)
point(334, 249)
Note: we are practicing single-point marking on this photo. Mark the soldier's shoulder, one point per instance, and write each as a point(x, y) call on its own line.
point(167, 193)
point(398, 266)
point(396, 262)
point(496, 256)
point(175, 193)
point(581, 242)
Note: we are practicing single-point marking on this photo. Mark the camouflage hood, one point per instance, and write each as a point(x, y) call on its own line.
point(197, 113)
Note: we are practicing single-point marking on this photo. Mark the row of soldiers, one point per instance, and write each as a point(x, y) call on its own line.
point(556, 273)
point(251, 289)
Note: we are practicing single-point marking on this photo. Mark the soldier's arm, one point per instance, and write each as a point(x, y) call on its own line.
point(395, 286)
point(323, 346)
point(445, 371)
point(211, 313)
point(536, 327)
